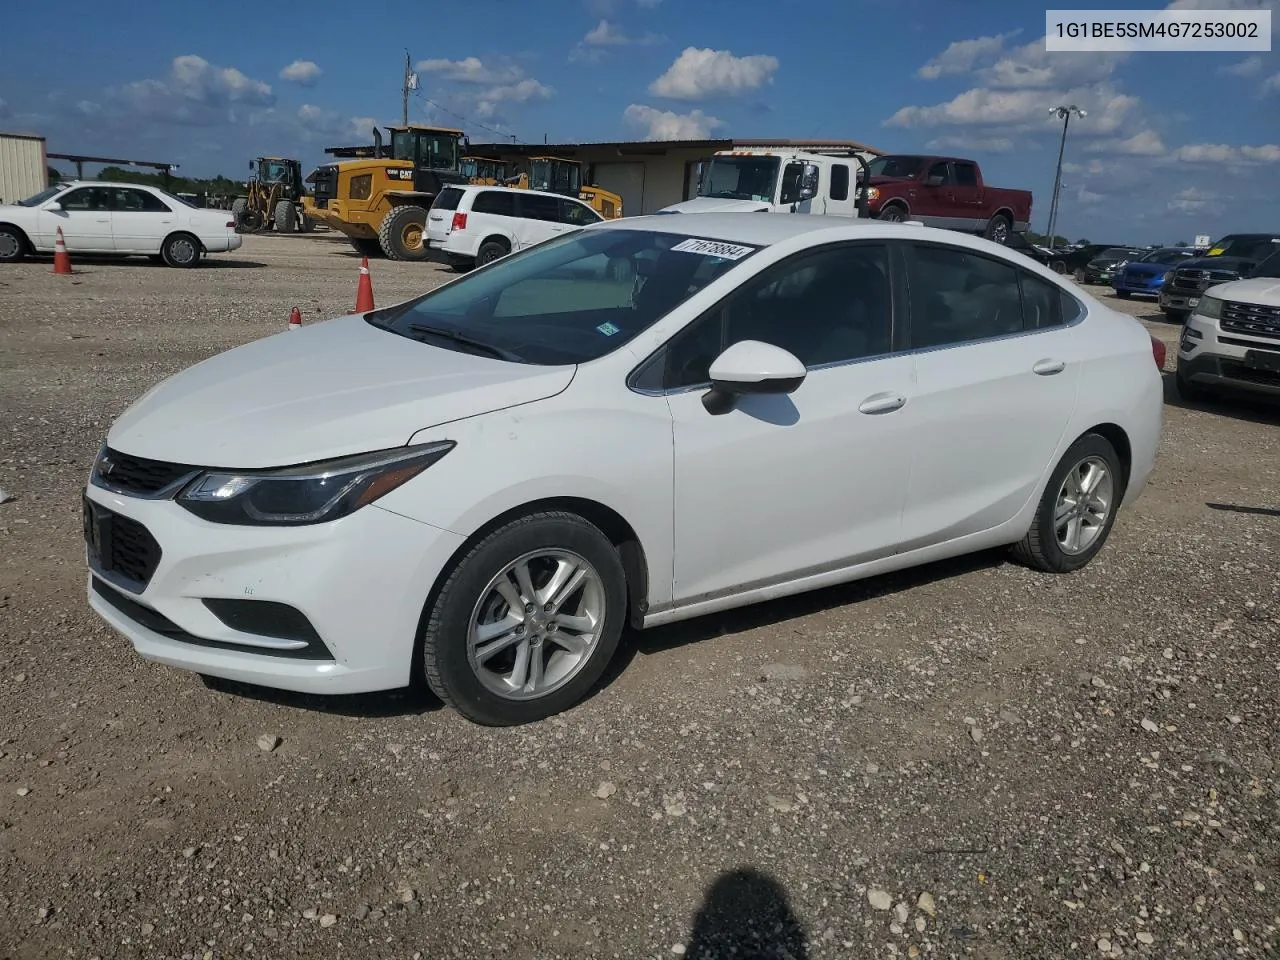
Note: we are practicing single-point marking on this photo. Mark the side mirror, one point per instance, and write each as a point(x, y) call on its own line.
point(751, 367)
point(809, 182)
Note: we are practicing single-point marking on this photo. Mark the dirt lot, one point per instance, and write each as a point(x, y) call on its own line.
point(969, 760)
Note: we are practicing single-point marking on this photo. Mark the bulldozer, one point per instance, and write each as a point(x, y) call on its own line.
point(276, 197)
point(381, 202)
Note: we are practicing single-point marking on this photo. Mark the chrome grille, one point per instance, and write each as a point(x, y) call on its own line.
point(1252, 319)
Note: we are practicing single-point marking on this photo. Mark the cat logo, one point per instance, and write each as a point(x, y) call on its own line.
point(399, 174)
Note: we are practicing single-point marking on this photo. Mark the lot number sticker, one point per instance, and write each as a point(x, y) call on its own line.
point(710, 248)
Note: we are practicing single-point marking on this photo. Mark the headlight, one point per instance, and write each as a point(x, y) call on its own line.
point(873, 193)
point(1167, 277)
point(1209, 307)
point(314, 493)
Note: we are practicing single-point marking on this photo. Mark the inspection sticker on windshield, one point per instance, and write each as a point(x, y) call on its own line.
point(608, 329)
point(711, 248)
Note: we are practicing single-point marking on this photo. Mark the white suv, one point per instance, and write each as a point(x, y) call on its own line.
point(474, 225)
point(1231, 341)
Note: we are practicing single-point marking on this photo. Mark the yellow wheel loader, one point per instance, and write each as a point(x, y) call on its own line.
point(276, 198)
point(484, 172)
point(381, 202)
point(557, 175)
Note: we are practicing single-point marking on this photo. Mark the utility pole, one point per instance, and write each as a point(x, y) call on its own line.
point(1064, 114)
point(404, 92)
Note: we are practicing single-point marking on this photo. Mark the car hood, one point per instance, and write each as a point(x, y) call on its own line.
point(715, 205)
point(1151, 269)
point(1237, 264)
point(1263, 290)
point(328, 390)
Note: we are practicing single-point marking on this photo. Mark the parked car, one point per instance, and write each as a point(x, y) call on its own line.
point(945, 192)
point(1072, 260)
point(1101, 269)
point(114, 218)
point(483, 484)
point(1231, 340)
point(1229, 259)
point(1146, 275)
point(474, 225)
point(1019, 242)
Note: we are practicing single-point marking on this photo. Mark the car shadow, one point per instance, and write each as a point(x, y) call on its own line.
point(658, 640)
point(216, 260)
point(409, 701)
point(1247, 407)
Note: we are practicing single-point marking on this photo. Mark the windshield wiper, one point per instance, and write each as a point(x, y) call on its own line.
point(463, 340)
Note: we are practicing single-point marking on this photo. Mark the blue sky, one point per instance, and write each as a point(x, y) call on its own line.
point(1175, 144)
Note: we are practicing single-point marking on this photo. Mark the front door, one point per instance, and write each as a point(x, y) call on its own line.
point(996, 377)
point(967, 194)
point(783, 487)
point(936, 204)
point(85, 219)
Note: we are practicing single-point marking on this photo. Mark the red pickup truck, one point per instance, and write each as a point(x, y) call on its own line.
point(945, 192)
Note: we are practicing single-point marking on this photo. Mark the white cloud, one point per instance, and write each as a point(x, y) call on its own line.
point(1024, 110)
point(1144, 143)
point(1248, 67)
point(978, 144)
point(486, 86)
point(471, 70)
point(1267, 153)
point(1272, 5)
point(1190, 200)
point(606, 34)
point(1032, 66)
point(590, 49)
point(195, 92)
point(304, 72)
point(1271, 84)
point(962, 55)
point(699, 73)
point(1225, 154)
point(668, 125)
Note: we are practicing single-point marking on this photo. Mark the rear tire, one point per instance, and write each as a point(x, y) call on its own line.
point(998, 228)
point(1073, 508)
point(494, 690)
point(286, 217)
point(181, 250)
point(13, 245)
point(403, 234)
point(306, 224)
point(490, 251)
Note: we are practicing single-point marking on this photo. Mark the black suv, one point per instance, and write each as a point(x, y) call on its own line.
point(1229, 259)
point(1102, 267)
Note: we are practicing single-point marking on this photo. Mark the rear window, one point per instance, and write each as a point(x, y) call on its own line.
point(447, 199)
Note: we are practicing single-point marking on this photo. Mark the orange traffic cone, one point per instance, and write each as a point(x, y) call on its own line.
point(295, 319)
point(364, 293)
point(61, 262)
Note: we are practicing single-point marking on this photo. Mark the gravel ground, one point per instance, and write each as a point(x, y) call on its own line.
point(969, 760)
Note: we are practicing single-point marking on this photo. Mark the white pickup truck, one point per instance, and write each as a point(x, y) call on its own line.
point(775, 181)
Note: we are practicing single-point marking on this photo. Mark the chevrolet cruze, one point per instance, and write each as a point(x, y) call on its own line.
point(642, 421)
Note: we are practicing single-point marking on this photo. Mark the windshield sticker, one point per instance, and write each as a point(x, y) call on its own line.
point(608, 329)
point(710, 248)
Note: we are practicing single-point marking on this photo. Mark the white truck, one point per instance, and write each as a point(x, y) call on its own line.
point(779, 181)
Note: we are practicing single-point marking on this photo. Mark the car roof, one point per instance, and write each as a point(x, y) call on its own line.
point(66, 184)
point(476, 187)
point(766, 229)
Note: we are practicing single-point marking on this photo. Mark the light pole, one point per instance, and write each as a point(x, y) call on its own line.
point(1063, 113)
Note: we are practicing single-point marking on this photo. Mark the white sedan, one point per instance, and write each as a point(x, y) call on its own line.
point(122, 219)
point(642, 421)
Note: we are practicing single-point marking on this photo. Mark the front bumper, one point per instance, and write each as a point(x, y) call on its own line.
point(360, 583)
point(1138, 285)
point(1180, 301)
point(1215, 360)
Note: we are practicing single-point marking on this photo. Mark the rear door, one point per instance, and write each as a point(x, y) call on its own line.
point(539, 219)
point(85, 219)
point(140, 220)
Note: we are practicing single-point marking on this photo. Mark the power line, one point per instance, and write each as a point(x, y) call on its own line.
point(467, 120)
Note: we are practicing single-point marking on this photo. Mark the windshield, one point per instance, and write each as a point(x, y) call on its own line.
point(554, 176)
point(1167, 255)
point(436, 151)
point(48, 193)
point(740, 178)
point(1247, 248)
point(1269, 268)
point(895, 166)
point(569, 300)
point(271, 170)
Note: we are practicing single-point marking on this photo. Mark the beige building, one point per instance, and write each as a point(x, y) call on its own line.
point(23, 163)
point(652, 174)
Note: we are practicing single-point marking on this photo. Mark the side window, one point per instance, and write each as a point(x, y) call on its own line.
point(839, 181)
point(791, 175)
point(537, 206)
point(1072, 309)
point(87, 198)
point(1041, 303)
point(579, 214)
point(939, 174)
point(824, 307)
point(496, 202)
point(137, 201)
point(958, 296)
point(966, 175)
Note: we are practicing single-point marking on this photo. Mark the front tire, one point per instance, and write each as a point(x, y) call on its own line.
point(527, 621)
point(893, 213)
point(1077, 510)
point(13, 245)
point(181, 250)
point(403, 233)
point(286, 216)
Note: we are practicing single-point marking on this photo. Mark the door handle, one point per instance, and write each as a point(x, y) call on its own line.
point(882, 403)
point(1047, 368)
